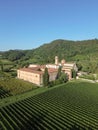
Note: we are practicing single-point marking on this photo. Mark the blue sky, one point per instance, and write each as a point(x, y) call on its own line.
point(27, 24)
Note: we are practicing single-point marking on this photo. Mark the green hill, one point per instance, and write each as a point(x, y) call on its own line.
point(85, 53)
point(70, 50)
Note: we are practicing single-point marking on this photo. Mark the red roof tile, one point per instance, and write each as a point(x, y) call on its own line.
point(35, 70)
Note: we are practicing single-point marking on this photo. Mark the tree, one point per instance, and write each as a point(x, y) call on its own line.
point(59, 73)
point(79, 66)
point(64, 77)
point(13, 55)
point(74, 73)
point(46, 77)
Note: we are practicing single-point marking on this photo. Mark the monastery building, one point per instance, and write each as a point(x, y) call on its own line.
point(34, 73)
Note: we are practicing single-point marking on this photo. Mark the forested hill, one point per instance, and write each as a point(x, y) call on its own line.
point(67, 49)
point(84, 52)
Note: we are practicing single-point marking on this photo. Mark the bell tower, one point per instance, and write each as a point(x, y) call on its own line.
point(56, 60)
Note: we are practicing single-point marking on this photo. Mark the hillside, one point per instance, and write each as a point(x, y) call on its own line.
point(85, 53)
point(66, 49)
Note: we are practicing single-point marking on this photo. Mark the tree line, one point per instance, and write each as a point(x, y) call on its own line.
point(85, 53)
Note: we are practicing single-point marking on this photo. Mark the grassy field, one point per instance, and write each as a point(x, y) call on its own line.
point(71, 106)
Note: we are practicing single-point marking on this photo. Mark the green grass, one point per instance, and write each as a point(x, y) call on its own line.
point(69, 106)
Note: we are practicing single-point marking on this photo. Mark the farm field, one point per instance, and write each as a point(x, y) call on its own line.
point(72, 106)
point(14, 86)
point(4, 93)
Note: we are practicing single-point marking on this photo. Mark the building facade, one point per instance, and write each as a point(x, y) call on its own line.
point(35, 75)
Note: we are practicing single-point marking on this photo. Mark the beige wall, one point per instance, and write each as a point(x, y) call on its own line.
point(52, 76)
point(34, 78)
point(69, 74)
point(31, 77)
point(68, 71)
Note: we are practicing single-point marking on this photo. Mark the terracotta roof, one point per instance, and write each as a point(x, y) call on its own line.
point(35, 70)
point(51, 70)
point(52, 64)
point(31, 70)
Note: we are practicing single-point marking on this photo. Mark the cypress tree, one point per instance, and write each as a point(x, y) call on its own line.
point(74, 74)
point(59, 73)
point(64, 77)
point(46, 77)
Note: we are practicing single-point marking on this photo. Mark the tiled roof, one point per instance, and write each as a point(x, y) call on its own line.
point(31, 70)
point(35, 70)
point(51, 70)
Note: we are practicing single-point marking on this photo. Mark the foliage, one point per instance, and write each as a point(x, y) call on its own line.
point(55, 82)
point(13, 55)
point(15, 86)
point(88, 76)
point(26, 64)
point(63, 78)
point(46, 77)
point(85, 53)
point(70, 106)
point(60, 80)
point(79, 66)
point(74, 74)
point(59, 73)
point(13, 74)
point(2, 67)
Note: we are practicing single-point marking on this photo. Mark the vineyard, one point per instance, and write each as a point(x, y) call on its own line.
point(14, 86)
point(73, 106)
point(4, 93)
